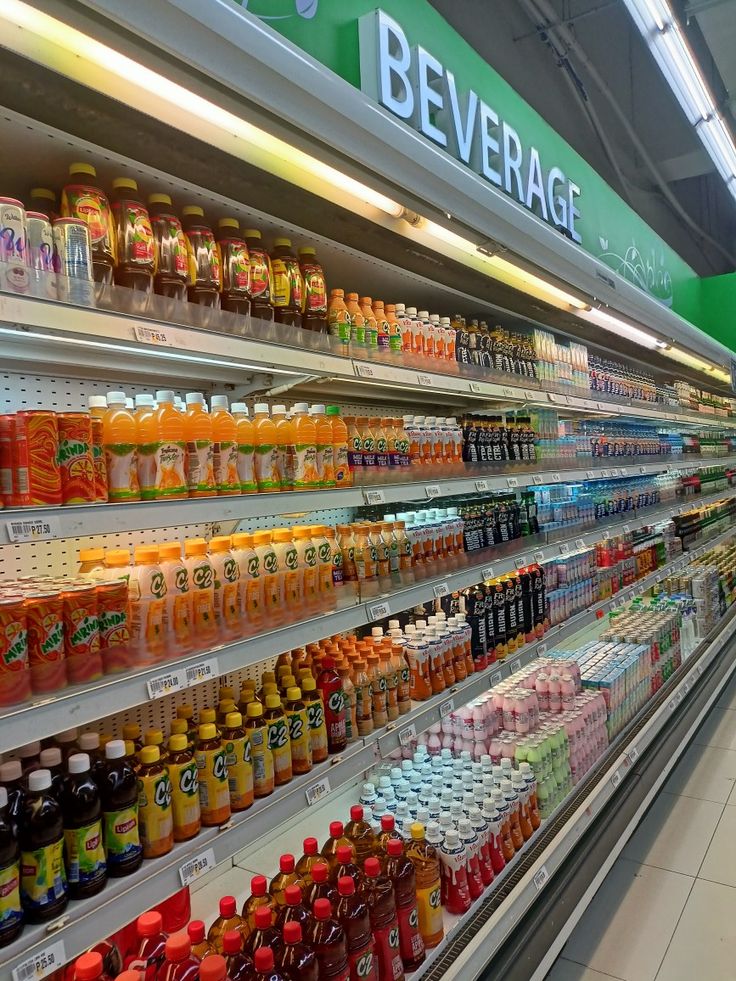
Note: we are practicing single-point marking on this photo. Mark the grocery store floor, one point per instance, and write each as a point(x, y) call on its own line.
point(667, 909)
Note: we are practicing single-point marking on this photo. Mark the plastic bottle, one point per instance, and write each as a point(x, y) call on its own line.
point(333, 698)
point(307, 561)
point(357, 321)
point(360, 834)
point(378, 893)
point(224, 447)
point(170, 278)
point(135, 246)
point(11, 911)
point(264, 933)
point(184, 779)
point(293, 910)
point(314, 297)
point(201, 947)
point(43, 884)
point(235, 266)
point(265, 439)
point(304, 435)
point(259, 897)
point(149, 953)
point(154, 804)
point(342, 475)
point(453, 858)
point(297, 960)
point(147, 589)
point(298, 727)
point(177, 618)
point(120, 440)
point(400, 870)
point(83, 199)
point(287, 284)
point(119, 793)
point(236, 745)
point(202, 589)
point(316, 717)
point(239, 967)
point(204, 274)
point(261, 756)
point(353, 915)
point(370, 323)
point(336, 840)
point(179, 964)
point(90, 967)
point(214, 793)
point(227, 587)
point(321, 887)
point(251, 583)
point(338, 318)
point(278, 740)
point(328, 940)
point(260, 276)
point(426, 863)
point(86, 867)
point(245, 436)
point(470, 841)
point(227, 920)
point(344, 865)
point(199, 459)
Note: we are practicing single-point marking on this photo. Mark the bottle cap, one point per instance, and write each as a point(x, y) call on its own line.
point(149, 924)
point(178, 742)
point(258, 885)
point(311, 846)
point(214, 967)
point(77, 763)
point(273, 701)
point(39, 780)
point(82, 168)
point(417, 831)
point(88, 967)
point(293, 931)
point(387, 822)
point(11, 771)
point(372, 867)
point(159, 198)
point(319, 872)
point(50, 757)
point(322, 908)
point(395, 846)
point(293, 895)
point(227, 907)
point(195, 929)
point(218, 402)
point(255, 710)
point(178, 946)
point(228, 223)
point(263, 960)
point(233, 720)
point(149, 754)
point(193, 209)
point(356, 812)
point(3, 798)
point(67, 736)
point(252, 233)
point(263, 917)
point(345, 854)
point(124, 182)
point(207, 731)
point(336, 829)
point(346, 885)
point(286, 863)
point(293, 694)
point(89, 741)
point(282, 241)
point(232, 942)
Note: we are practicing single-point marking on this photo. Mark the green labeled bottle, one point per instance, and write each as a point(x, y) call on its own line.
point(84, 849)
point(119, 792)
point(43, 886)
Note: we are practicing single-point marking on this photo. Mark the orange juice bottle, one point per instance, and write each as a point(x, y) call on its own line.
point(251, 581)
point(307, 553)
point(371, 324)
point(305, 447)
point(382, 324)
point(394, 328)
point(177, 608)
point(264, 437)
point(200, 460)
point(283, 453)
point(120, 438)
point(357, 321)
point(341, 469)
point(202, 588)
point(227, 587)
point(274, 608)
point(288, 562)
point(246, 448)
point(225, 447)
point(325, 447)
point(170, 482)
point(144, 411)
point(338, 317)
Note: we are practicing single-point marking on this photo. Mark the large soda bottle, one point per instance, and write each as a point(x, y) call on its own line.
point(297, 960)
point(265, 966)
point(43, 885)
point(330, 847)
point(148, 956)
point(179, 963)
point(354, 917)
point(293, 909)
point(264, 934)
point(321, 887)
point(259, 897)
point(360, 834)
point(400, 871)
point(310, 857)
point(378, 893)
point(329, 943)
point(285, 877)
point(329, 685)
point(226, 921)
point(426, 863)
point(239, 966)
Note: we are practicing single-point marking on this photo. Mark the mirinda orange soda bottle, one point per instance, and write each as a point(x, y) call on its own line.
point(200, 462)
point(225, 447)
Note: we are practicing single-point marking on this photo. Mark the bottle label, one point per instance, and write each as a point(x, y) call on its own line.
point(135, 235)
point(214, 793)
point(301, 749)
point(154, 813)
point(185, 810)
point(11, 912)
point(200, 467)
point(338, 324)
point(340, 463)
point(203, 610)
point(203, 258)
point(179, 609)
point(325, 464)
point(91, 206)
point(42, 875)
point(85, 854)
point(281, 283)
point(363, 964)
point(335, 717)
point(239, 772)
point(388, 953)
point(235, 265)
point(260, 276)
point(262, 760)
point(225, 461)
point(429, 907)
point(410, 939)
point(305, 466)
point(278, 744)
point(317, 729)
point(121, 461)
point(170, 480)
point(246, 468)
point(122, 838)
point(315, 290)
point(266, 468)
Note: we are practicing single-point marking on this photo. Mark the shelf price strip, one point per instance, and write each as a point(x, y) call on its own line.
point(196, 867)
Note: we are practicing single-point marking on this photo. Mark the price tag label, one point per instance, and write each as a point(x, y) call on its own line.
point(153, 335)
point(447, 707)
point(516, 665)
point(541, 650)
point(623, 471)
point(616, 779)
point(520, 562)
point(642, 469)
point(374, 497)
point(539, 556)
point(40, 965)
point(580, 543)
point(604, 474)
point(590, 474)
point(495, 678)
point(481, 485)
point(564, 548)
point(202, 671)
point(317, 792)
point(602, 406)
point(475, 387)
point(433, 490)
point(537, 479)
point(633, 754)
point(626, 529)
point(441, 589)
point(487, 573)
point(364, 370)
point(540, 878)
point(512, 481)
point(377, 611)
point(508, 393)
point(424, 380)
point(196, 867)
point(33, 529)
point(166, 684)
point(700, 669)
point(555, 477)
point(407, 735)
point(605, 535)
point(530, 396)
point(672, 705)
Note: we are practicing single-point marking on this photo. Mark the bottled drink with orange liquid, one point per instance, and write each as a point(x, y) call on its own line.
point(272, 573)
point(357, 321)
point(304, 437)
point(164, 432)
point(145, 408)
point(371, 325)
point(259, 897)
point(338, 318)
point(246, 448)
point(202, 589)
point(120, 440)
point(227, 920)
point(264, 437)
point(324, 465)
point(284, 448)
point(200, 460)
point(225, 447)
point(227, 587)
point(251, 583)
point(201, 947)
point(340, 465)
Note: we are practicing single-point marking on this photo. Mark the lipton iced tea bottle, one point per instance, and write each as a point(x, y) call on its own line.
point(264, 434)
point(226, 921)
point(338, 318)
point(214, 793)
point(341, 470)
point(238, 761)
point(378, 894)
point(170, 246)
point(83, 842)
point(202, 588)
point(259, 897)
point(170, 480)
point(119, 793)
point(333, 698)
point(11, 918)
point(204, 275)
point(329, 943)
point(400, 870)
point(227, 587)
point(120, 436)
point(314, 297)
point(297, 959)
point(199, 458)
point(135, 249)
point(183, 775)
point(154, 804)
point(43, 883)
point(260, 754)
point(225, 447)
point(235, 266)
point(246, 441)
point(84, 200)
point(316, 716)
point(260, 276)
point(278, 739)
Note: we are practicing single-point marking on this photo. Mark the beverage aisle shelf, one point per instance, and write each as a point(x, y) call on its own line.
point(81, 705)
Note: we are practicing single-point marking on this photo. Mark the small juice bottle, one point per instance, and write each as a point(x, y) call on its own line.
point(170, 481)
point(147, 601)
point(148, 956)
point(357, 321)
point(341, 469)
point(120, 439)
point(287, 559)
point(371, 324)
point(177, 604)
point(225, 447)
point(202, 589)
point(307, 557)
point(338, 318)
point(214, 793)
point(316, 716)
point(264, 933)
point(382, 324)
point(286, 876)
point(264, 437)
point(239, 966)
point(184, 778)
point(278, 739)
point(260, 754)
point(325, 583)
point(306, 474)
point(154, 804)
point(200, 460)
point(259, 897)
point(146, 438)
point(246, 440)
point(238, 761)
point(226, 921)
point(284, 449)
point(325, 462)
point(251, 582)
point(227, 587)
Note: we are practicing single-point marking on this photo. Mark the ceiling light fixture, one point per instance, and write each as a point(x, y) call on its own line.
point(616, 325)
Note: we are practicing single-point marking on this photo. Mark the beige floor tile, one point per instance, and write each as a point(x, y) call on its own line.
point(727, 698)
point(564, 970)
point(719, 864)
point(706, 772)
point(675, 833)
point(705, 939)
point(626, 929)
point(719, 729)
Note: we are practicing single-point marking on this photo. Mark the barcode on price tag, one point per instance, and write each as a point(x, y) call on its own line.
point(481, 485)
point(433, 490)
point(616, 779)
point(45, 962)
point(407, 735)
point(425, 380)
point(512, 481)
point(33, 529)
point(196, 867)
point(487, 572)
point(626, 529)
point(475, 387)
point(441, 589)
point(516, 665)
point(564, 548)
point(541, 650)
point(540, 878)
point(605, 535)
point(202, 671)
point(536, 478)
point(318, 791)
point(447, 707)
point(520, 562)
point(495, 678)
point(151, 335)
point(374, 497)
point(166, 684)
point(377, 611)
point(364, 370)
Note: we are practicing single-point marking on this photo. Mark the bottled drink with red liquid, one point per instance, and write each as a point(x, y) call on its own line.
point(344, 865)
point(239, 965)
point(329, 684)
point(179, 963)
point(378, 893)
point(453, 863)
point(90, 967)
point(293, 909)
point(336, 839)
point(321, 887)
point(354, 917)
point(297, 960)
point(360, 834)
point(266, 967)
point(259, 896)
point(286, 876)
point(329, 943)
point(265, 933)
point(148, 956)
point(400, 870)
point(310, 857)
point(214, 969)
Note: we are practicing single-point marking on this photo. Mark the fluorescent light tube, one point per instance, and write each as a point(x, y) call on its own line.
point(620, 327)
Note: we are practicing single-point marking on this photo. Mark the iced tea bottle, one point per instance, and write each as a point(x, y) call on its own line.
point(336, 839)
point(299, 738)
point(179, 963)
point(135, 247)
point(239, 966)
point(236, 744)
point(214, 792)
point(260, 275)
point(297, 959)
point(119, 793)
point(310, 857)
point(344, 865)
point(378, 892)
point(286, 876)
point(264, 933)
point(314, 299)
point(201, 947)
point(204, 274)
point(149, 953)
point(154, 804)
point(287, 284)
point(333, 698)
point(183, 775)
point(329, 943)
point(83, 840)
point(265, 964)
point(360, 834)
point(321, 887)
point(170, 278)
point(293, 909)
point(354, 917)
point(215, 969)
point(227, 920)
point(278, 740)
point(12, 917)
point(259, 897)
point(260, 754)
point(316, 716)
point(428, 886)
point(235, 263)
point(400, 870)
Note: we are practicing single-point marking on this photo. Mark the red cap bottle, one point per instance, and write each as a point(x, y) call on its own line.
point(179, 965)
point(344, 864)
point(150, 951)
point(264, 934)
point(321, 887)
point(214, 969)
point(378, 894)
point(354, 917)
point(329, 943)
point(239, 966)
point(329, 684)
point(400, 870)
point(297, 960)
point(294, 909)
point(89, 967)
point(265, 967)
point(258, 897)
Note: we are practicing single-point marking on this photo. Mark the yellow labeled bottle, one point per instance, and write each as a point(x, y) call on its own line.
point(214, 793)
point(427, 868)
point(155, 737)
point(207, 716)
point(301, 747)
point(278, 739)
point(185, 809)
point(154, 804)
point(316, 717)
point(260, 754)
point(186, 712)
point(236, 744)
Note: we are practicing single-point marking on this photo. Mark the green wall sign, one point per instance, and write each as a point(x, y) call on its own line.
point(452, 89)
